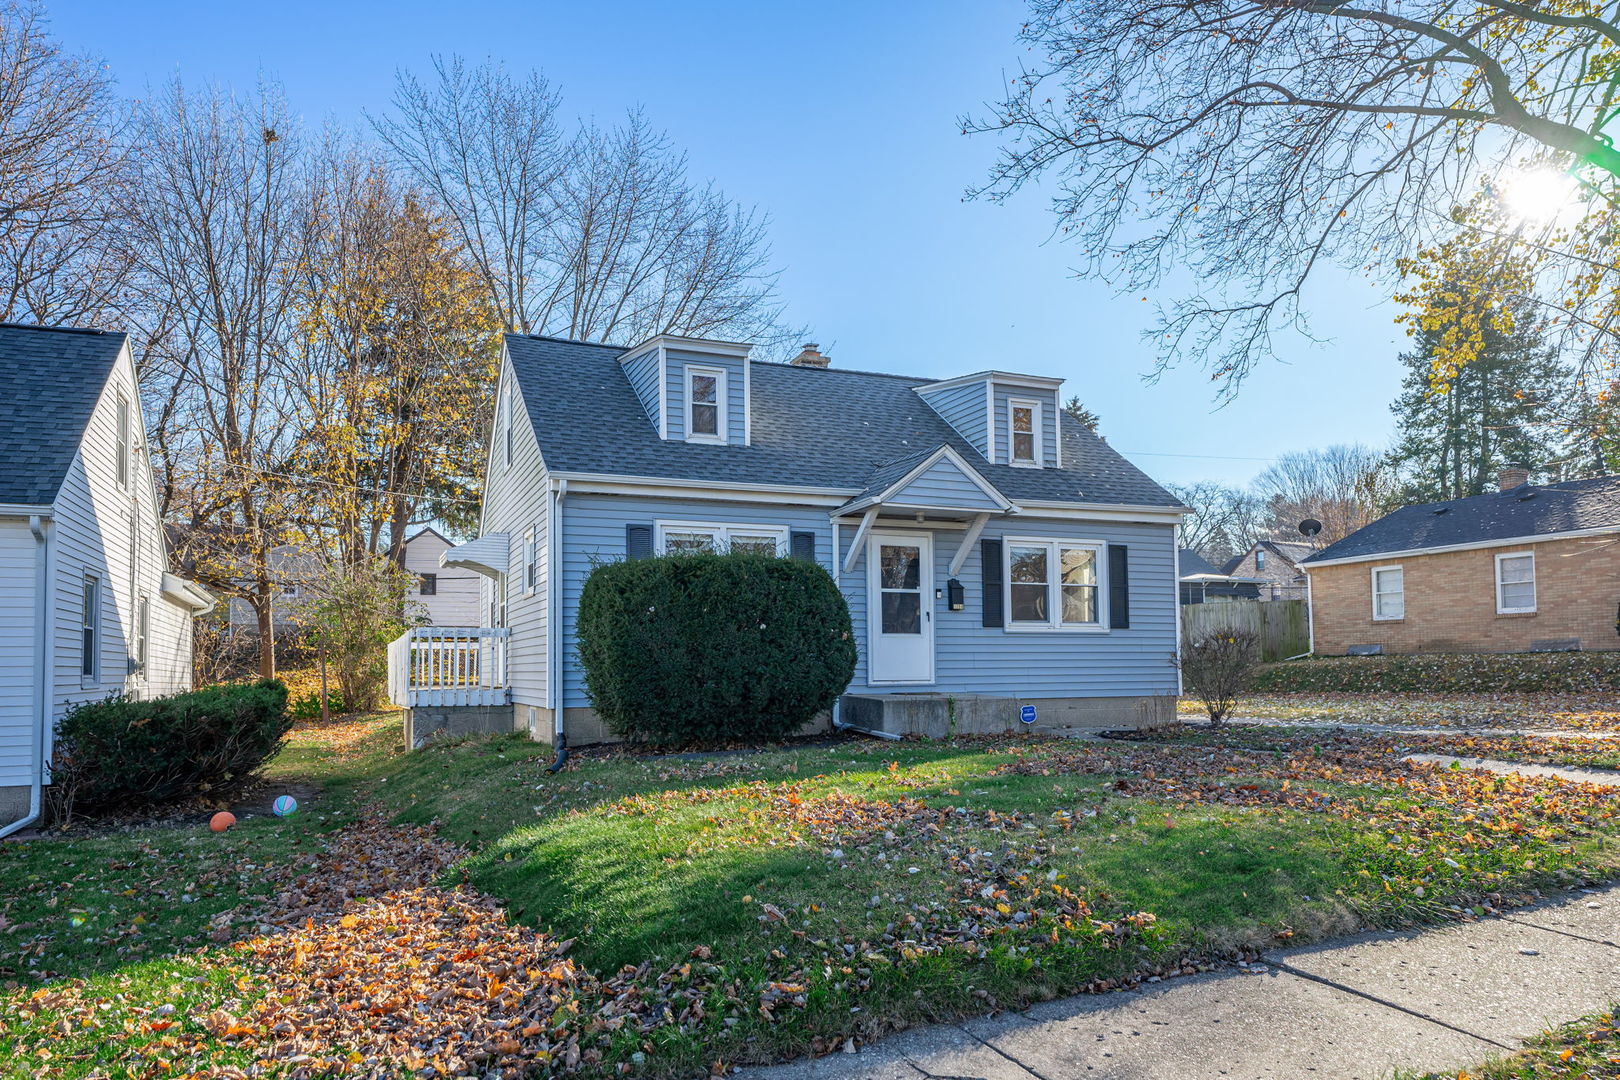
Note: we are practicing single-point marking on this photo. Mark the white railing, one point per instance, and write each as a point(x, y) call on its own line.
point(449, 665)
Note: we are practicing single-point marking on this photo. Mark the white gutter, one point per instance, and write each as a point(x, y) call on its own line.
point(554, 610)
point(42, 668)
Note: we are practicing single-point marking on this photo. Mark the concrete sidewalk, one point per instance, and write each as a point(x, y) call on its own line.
point(1355, 1009)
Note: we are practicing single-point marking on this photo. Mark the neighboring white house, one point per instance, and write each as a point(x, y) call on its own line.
point(82, 553)
point(444, 596)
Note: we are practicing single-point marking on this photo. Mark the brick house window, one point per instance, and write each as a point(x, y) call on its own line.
point(1388, 593)
point(1516, 583)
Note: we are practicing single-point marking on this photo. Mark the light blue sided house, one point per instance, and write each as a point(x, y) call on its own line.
point(997, 556)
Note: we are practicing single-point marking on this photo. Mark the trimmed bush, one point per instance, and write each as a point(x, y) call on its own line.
point(1218, 668)
point(703, 648)
point(1471, 673)
point(118, 753)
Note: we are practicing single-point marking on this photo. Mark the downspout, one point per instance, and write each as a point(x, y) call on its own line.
point(42, 669)
point(1310, 623)
point(559, 738)
point(1175, 554)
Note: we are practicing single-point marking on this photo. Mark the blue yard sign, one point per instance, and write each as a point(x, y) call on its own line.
point(1027, 714)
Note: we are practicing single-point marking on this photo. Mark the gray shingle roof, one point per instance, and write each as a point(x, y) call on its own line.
point(812, 427)
point(1531, 510)
point(1193, 563)
point(50, 381)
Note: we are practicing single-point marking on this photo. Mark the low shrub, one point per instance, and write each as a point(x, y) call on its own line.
point(705, 648)
point(308, 706)
point(1470, 673)
point(1218, 667)
point(121, 752)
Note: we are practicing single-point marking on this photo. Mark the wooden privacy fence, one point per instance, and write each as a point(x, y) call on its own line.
point(1283, 626)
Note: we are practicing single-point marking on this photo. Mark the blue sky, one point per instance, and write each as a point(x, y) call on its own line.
point(839, 121)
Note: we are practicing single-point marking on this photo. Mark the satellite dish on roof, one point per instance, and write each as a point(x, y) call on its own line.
point(1310, 527)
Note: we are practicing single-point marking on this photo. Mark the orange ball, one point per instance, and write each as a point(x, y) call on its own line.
point(222, 821)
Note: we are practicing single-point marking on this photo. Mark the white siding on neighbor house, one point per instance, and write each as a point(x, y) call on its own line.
point(972, 658)
point(110, 531)
point(18, 584)
point(642, 370)
point(736, 405)
point(1048, 400)
point(963, 407)
point(516, 499)
point(944, 484)
point(456, 600)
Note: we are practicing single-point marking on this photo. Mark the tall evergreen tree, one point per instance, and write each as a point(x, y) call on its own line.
point(1501, 407)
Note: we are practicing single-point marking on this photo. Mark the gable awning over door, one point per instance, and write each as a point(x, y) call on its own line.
point(935, 480)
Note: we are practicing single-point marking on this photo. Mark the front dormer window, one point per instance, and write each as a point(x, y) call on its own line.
point(1024, 422)
point(705, 399)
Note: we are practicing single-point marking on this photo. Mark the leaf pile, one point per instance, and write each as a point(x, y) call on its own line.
point(1517, 711)
point(1466, 673)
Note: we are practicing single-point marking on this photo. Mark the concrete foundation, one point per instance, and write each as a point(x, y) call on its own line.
point(424, 724)
point(939, 716)
point(13, 803)
point(585, 728)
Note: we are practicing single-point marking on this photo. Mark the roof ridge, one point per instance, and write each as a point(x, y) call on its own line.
point(58, 329)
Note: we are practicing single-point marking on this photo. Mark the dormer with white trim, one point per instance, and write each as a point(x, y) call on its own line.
point(1010, 419)
point(693, 390)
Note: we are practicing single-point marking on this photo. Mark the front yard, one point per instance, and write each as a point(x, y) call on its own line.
point(675, 915)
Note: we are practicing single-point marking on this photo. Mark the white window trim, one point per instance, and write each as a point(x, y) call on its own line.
point(531, 563)
point(721, 531)
point(1372, 576)
point(143, 634)
point(1534, 587)
point(124, 422)
point(721, 401)
point(90, 619)
point(506, 425)
point(1054, 588)
point(1034, 408)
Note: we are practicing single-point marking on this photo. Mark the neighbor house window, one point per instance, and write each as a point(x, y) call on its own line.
point(531, 562)
point(1053, 584)
point(1515, 583)
point(427, 584)
point(1260, 560)
point(143, 614)
point(705, 397)
point(1388, 592)
point(682, 537)
point(1024, 421)
point(90, 631)
point(123, 440)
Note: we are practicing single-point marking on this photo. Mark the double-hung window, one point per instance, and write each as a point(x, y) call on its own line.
point(427, 585)
point(90, 632)
point(1054, 584)
point(684, 537)
point(705, 404)
point(1024, 431)
point(506, 424)
point(1388, 593)
point(143, 616)
point(531, 562)
point(1516, 583)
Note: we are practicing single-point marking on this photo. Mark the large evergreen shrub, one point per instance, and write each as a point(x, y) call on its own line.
point(704, 648)
point(118, 753)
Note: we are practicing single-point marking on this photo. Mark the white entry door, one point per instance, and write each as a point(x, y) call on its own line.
point(900, 610)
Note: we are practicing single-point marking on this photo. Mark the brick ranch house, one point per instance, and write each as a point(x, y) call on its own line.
point(1522, 569)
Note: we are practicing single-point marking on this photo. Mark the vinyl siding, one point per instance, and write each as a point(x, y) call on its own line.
point(593, 531)
point(112, 532)
point(457, 601)
point(1049, 422)
point(516, 499)
point(943, 484)
point(970, 658)
point(18, 570)
point(963, 407)
point(736, 399)
point(642, 371)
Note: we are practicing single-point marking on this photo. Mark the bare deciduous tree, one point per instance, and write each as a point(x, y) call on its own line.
point(61, 154)
point(1225, 520)
point(1243, 144)
point(214, 227)
point(1343, 486)
point(592, 233)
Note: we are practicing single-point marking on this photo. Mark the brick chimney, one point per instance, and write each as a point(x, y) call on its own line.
point(810, 356)
point(1511, 475)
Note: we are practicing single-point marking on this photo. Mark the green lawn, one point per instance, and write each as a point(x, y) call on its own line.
point(776, 903)
point(1586, 1048)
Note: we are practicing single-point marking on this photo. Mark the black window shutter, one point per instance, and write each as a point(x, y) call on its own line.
point(802, 545)
point(1119, 587)
point(990, 571)
point(638, 541)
